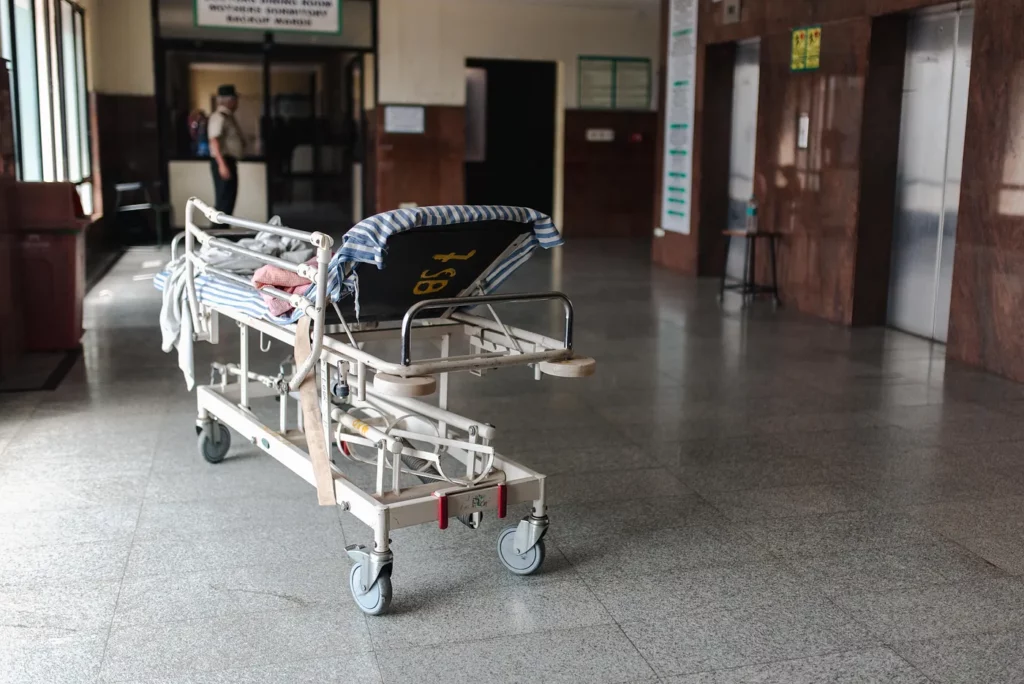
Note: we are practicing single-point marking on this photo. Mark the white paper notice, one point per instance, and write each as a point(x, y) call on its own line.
point(680, 107)
point(310, 16)
point(403, 119)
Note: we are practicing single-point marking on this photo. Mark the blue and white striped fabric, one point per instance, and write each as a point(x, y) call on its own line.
point(366, 242)
point(220, 292)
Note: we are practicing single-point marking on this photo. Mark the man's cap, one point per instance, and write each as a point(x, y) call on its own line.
point(226, 91)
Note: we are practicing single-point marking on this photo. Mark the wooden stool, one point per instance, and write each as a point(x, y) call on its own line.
point(747, 285)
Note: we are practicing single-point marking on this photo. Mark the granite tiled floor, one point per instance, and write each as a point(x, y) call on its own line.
point(737, 496)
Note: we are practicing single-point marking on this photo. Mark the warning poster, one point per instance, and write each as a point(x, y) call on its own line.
point(798, 58)
point(813, 47)
point(806, 52)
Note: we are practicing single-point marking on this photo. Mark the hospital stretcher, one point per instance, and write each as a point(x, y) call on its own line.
point(395, 277)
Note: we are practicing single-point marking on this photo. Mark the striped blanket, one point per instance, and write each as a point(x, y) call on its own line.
point(366, 242)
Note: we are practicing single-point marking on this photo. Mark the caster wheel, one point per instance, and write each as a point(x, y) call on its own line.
point(525, 564)
point(214, 452)
point(378, 599)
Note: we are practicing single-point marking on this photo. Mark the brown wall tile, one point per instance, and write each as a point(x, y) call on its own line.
point(811, 195)
point(712, 29)
point(609, 185)
point(426, 169)
point(880, 7)
point(987, 309)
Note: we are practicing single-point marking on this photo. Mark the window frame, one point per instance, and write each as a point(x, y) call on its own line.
point(57, 66)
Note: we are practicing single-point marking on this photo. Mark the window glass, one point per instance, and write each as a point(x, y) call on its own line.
point(83, 98)
point(70, 81)
point(27, 91)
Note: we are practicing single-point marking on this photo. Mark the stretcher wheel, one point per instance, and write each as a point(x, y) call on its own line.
point(214, 451)
point(375, 601)
point(525, 564)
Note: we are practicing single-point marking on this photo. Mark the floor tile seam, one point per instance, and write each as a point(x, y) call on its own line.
point(127, 560)
point(316, 606)
point(174, 534)
point(1015, 579)
point(874, 546)
point(895, 643)
point(822, 654)
point(307, 495)
point(891, 643)
point(705, 567)
point(329, 607)
point(287, 663)
point(607, 612)
point(590, 471)
point(834, 597)
point(134, 577)
point(382, 648)
point(974, 554)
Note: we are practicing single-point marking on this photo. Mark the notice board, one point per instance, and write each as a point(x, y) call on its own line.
point(680, 109)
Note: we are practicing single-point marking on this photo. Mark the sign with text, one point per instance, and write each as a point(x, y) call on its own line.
point(806, 52)
point(680, 111)
point(814, 47)
point(306, 16)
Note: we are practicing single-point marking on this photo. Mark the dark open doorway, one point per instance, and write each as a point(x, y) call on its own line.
point(510, 133)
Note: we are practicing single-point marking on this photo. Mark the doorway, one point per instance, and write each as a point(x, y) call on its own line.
point(314, 140)
point(510, 133)
point(934, 118)
point(742, 148)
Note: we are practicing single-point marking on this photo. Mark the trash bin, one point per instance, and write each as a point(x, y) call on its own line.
point(51, 255)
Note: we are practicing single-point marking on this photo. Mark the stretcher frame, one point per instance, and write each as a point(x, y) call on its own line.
point(489, 482)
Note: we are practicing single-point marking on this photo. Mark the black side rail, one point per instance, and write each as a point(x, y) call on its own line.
point(455, 302)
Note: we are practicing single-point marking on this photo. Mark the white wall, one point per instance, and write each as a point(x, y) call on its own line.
point(176, 21)
point(194, 179)
point(424, 44)
point(122, 47)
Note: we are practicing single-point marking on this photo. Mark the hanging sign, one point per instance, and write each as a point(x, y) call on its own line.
point(680, 108)
point(806, 52)
point(306, 16)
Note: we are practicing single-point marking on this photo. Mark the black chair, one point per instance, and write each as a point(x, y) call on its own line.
point(134, 198)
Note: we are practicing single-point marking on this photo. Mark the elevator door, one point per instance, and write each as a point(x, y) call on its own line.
point(930, 162)
point(746, 78)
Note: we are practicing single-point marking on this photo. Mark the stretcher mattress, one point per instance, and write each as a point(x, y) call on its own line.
point(366, 242)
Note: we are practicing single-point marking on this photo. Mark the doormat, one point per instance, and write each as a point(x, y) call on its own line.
point(39, 372)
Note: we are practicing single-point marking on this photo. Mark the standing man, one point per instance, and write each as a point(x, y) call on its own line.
point(227, 146)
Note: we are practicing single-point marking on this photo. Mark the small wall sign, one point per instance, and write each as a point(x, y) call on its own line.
point(806, 50)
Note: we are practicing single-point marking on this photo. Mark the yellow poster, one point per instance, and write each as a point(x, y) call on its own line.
point(798, 61)
point(813, 47)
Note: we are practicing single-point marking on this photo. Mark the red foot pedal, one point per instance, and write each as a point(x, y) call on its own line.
point(442, 511)
point(502, 500)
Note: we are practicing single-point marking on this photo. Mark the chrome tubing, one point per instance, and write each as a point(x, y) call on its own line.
point(453, 302)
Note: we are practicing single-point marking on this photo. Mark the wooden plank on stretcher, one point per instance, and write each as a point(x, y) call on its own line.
point(311, 416)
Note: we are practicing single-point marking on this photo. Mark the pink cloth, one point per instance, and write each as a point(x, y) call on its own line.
point(274, 276)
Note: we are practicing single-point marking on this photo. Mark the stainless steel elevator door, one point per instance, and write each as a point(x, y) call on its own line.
point(930, 163)
point(746, 81)
point(954, 169)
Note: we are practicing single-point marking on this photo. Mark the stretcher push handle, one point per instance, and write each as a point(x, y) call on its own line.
point(452, 302)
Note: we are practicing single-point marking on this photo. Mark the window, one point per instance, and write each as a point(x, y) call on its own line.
point(614, 82)
point(44, 40)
